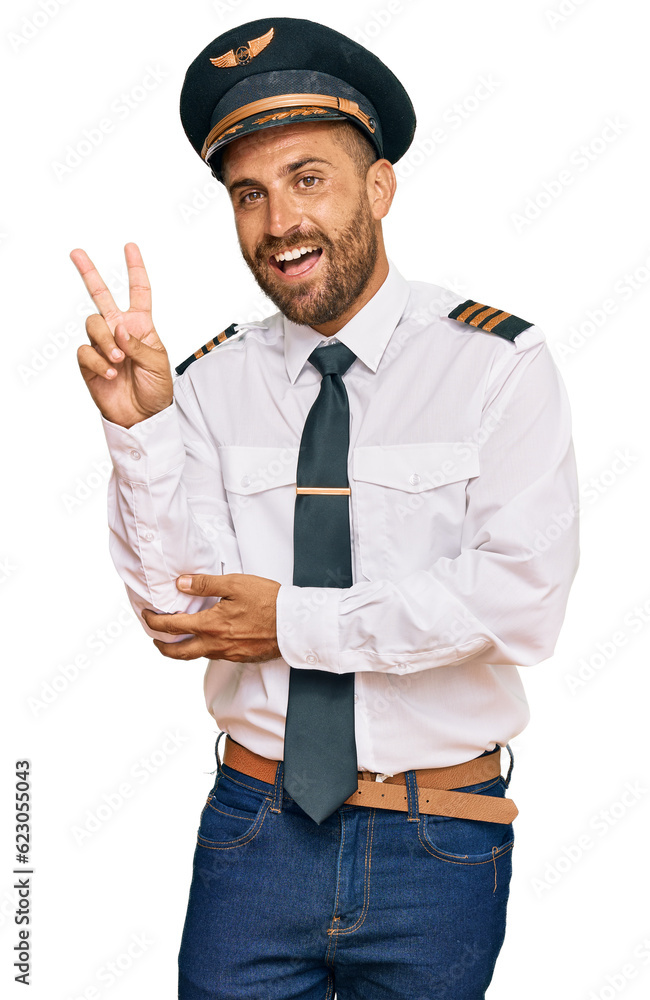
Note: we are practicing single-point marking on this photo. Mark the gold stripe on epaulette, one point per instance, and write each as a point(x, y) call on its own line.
point(483, 314)
point(199, 353)
point(499, 318)
point(221, 337)
point(468, 312)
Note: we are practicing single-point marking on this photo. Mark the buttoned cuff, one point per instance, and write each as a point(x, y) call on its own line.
point(149, 449)
point(307, 627)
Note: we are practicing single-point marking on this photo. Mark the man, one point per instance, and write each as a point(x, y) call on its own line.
point(377, 483)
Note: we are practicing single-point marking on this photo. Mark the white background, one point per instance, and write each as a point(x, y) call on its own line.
point(559, 73)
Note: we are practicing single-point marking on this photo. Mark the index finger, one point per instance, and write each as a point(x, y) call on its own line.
point(95, 285)
point(175, 624)
point(139, 287)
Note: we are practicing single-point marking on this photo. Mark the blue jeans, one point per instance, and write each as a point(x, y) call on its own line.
point(373, 904)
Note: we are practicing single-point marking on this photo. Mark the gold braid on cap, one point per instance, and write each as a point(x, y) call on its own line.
point(286, 101)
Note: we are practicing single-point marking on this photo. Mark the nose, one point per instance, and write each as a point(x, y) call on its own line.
point(284, 216)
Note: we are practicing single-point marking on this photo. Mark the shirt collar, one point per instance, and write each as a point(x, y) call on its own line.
point(367, 333)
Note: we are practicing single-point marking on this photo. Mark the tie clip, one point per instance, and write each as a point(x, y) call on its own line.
point(326, 491)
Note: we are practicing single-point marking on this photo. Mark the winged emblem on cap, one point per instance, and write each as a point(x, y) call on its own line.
point(244, 54)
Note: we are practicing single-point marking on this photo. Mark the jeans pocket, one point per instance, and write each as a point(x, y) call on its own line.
point(233, 814)
point(468, 841)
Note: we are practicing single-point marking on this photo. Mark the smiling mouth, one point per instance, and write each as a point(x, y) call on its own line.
point(295, 262)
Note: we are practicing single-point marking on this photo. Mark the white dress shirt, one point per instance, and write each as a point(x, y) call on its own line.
point(463, 521)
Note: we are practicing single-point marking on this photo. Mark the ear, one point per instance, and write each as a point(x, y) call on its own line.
point(381, 184)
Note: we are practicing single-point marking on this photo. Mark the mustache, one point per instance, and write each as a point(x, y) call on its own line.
point(273, 244)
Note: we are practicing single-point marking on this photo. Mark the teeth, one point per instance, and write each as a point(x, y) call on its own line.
point(293, 254)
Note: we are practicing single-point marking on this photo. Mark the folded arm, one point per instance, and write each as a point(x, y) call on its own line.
point(503, 597)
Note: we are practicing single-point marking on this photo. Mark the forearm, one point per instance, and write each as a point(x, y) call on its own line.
point(502, 597)
point(472, 606)
point(158, 528)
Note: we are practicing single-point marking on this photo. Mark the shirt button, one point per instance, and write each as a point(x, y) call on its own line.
point(356, 698)
point(311, 657)
point(414, 479)
point(135, 455)
point(245, 480)
point(148, 536)
point(402, 667)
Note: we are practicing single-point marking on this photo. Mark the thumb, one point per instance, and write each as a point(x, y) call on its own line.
point(204, 585)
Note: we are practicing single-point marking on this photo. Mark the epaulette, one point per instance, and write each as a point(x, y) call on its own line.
point(492, 320)
point(219, 339)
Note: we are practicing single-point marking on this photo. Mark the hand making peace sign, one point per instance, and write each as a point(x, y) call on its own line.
point(126, 367)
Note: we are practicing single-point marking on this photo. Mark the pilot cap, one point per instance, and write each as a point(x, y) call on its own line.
point(281, 70)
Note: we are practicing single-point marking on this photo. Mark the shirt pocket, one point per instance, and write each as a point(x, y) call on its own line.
point(409, 503)
point(260, 484)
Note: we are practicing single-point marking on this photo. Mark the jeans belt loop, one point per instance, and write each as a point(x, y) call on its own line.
point(441, 799)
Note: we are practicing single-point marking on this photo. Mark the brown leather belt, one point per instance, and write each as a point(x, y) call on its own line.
point(434, 786)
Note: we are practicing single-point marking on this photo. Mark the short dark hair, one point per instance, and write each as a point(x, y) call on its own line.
point(356, 146)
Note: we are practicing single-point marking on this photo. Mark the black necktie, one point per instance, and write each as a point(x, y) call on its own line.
point(320, 754)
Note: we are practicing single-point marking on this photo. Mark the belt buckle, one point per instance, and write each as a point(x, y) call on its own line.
point(382, 777)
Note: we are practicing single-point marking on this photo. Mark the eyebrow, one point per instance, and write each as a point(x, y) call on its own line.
point(290, 168)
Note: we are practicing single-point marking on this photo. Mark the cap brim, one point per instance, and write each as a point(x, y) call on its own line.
point(282, 116)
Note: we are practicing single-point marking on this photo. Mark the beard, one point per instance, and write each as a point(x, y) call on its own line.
point(346, 266)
